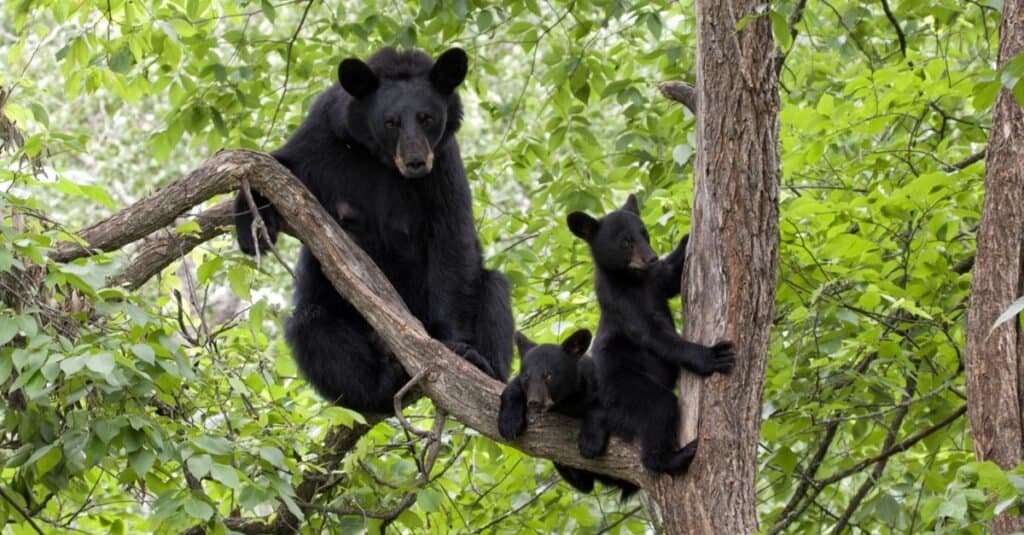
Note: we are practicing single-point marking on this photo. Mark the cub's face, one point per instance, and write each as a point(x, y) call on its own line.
point(548, 371)
point(406, 115)
point(619, 240)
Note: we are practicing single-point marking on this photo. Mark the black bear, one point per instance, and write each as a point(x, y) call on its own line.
point(559, 378)
point(637, 351)
point(378, 150)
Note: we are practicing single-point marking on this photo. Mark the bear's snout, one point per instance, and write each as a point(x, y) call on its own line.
point(413, 157)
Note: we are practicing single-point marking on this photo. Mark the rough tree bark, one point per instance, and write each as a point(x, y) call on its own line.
point(995, 361)
point(730, 279)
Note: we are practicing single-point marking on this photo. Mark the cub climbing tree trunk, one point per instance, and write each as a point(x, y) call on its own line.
point(729, 284)
point(995, 361)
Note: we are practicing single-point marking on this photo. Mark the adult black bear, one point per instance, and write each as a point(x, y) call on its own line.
point(378, 150)
point(558, 378)
point(637, 351)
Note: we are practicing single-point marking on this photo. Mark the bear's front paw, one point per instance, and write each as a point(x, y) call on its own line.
point(511, 423)
point(723, 358)
point(247, 229)
point(681, 459)
point(592, 443)
point(472, 356)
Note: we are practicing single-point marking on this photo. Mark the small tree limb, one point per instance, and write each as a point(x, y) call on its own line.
point(680, 92)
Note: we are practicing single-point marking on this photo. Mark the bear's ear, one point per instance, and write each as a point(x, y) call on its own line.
point(449, 70)
point(582, 225)
point(631, 204)
point(523, 344)
point(577, 343)
point(357, 78)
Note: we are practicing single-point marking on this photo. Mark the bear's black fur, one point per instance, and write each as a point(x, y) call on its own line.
point(378, 150)
point(558, 378)
point(637, 351)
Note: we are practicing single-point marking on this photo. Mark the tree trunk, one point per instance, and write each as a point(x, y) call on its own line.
point(731, 272)
point(995, 391)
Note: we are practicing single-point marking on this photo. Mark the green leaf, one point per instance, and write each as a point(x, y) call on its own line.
point(144, 352)
point(212, 444)
point(954, 507)
point(429, 500)
point(238, 278)
point(268, 10)
point(199, 465)
point(780, 30)
point(188, 228)
point(273, 456)
point(101, 363)
point(141, 460)
point(71, 365)
point(225, 475)
point(198, 509)
point(8, 329)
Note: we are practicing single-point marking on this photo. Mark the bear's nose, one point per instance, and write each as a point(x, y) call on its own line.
point(416, 165)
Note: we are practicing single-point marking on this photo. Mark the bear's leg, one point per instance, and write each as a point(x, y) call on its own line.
point(594, 432)
point(512, 410)
point(337, 357)
point(495, 326)
point(580, 480)
point(657, 448)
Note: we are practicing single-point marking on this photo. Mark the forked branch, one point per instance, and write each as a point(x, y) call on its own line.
point(453, 384)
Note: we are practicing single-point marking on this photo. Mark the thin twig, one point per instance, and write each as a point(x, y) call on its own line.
point(17, 506)
point(521, 506)
point(958, 166)
point(896, 25)
point(288, 65)
point(259, 228)
point(398, 404)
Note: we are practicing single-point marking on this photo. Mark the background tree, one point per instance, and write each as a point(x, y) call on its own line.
point(174, 404)
point(995, 354)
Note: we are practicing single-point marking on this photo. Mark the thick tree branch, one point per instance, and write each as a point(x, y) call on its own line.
point(165, 246)
point(680, 92)
point(453, 384)
point(219, 174)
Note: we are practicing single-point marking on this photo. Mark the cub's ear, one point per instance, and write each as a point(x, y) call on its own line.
point(582, 225)
point(357, 78)
point(577, 343)
point(523, 344)
point(631, 204)
point(449, 70)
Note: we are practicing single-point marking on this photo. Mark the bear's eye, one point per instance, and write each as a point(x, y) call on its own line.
point(547, 377)
point(424, 118)
point(627, 243)
point(391, 123)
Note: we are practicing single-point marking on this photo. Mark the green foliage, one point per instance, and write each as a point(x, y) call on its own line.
point(179, 405)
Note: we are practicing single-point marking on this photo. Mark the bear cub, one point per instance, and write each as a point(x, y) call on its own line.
point(637, 350)
point(558, 378)
point(378, 150)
